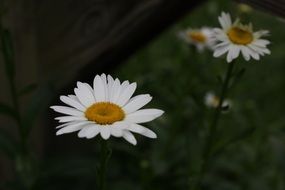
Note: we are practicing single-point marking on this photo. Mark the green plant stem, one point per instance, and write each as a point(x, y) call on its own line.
point(22, 162)
point(105, 154)
point(15, 101)
point(208, 150)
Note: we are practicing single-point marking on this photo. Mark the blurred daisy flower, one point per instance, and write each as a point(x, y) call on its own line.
point(235, 38)
point(200, 38)
point(212, 101)
point(106, 109)
point(244, 8)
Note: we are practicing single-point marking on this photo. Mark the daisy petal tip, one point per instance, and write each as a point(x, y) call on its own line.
point(79, 83)
point(148, 95)
point(153, 136)
point(52, 107)
point(160, 112)
point(110, 77)
point(58, 133)
point(134, 85)
point(105, 136)
point(134, 143)
point(81, 134)
point(89, 137)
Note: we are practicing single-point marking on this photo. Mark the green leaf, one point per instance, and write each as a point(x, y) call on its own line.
point(7, 110)
point(7, 144)
point(27, 89)
point(8, 52)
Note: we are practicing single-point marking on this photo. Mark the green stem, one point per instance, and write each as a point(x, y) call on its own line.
point(8, 57)
point(105, 154)
point(208, 150)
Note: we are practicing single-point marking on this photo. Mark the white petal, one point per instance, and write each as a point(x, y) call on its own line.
point(63, 125)
point(136, 103)
point(260, 33)
point(144, 115)
point(222, 22)
point(259, 49)
point(105, 132)
point(124, 85)
point(67, 110)
point(142, 130)
point(64, 119)
point(221, 50)
point(116, 131)
point(84, 94)
point(222, 44)
point(126, 94)
point(235, 51)
point(253, 54)
point(92, 131)
point(261, 42)
point(228, 19)
point(245, 53)
point(99, 89)
point(83, 132)
point(231, 53)
point(110, 86)
point(129, 137)
point(71, 102)
point(118, 90)
point(73, 97)
point(225, 21)
point(71, 128)
point(220, 35)
point(104, 79)
point(115, 91)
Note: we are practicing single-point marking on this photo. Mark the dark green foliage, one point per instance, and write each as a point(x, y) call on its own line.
point(248, 152)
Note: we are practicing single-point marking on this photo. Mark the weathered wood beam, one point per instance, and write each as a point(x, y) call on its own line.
point(96, 35)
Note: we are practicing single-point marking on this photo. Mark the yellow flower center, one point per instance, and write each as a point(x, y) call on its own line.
point(240, 36)
point(197, 36)
point(104, 113)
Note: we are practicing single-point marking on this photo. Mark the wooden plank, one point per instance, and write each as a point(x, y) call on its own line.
point(276, 7)
point(95, 35)
point(63, 41)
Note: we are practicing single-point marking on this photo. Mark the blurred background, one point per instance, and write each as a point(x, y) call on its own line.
point(59, 43)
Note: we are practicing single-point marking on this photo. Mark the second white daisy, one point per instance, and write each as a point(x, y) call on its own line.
point(235, 38)
point(106, 109)
point(200, 38)
point(212, 101)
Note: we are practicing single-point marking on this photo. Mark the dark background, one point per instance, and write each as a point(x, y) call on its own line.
point(60, 42)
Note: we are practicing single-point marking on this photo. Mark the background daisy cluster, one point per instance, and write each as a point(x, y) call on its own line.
point(255, 160)
point(178, 78)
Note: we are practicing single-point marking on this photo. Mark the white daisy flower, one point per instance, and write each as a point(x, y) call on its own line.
point(235, 38)
point(212, 101)
point(200, 38)
point(106, 109)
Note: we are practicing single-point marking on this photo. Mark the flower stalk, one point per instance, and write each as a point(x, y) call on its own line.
point(208, 150)
point(105, 155)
